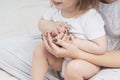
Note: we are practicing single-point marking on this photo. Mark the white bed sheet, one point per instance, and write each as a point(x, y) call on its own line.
point(5, 76)
point(19, 17)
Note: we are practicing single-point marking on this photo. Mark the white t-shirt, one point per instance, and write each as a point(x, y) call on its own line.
point(111, 16)
point(87, 26)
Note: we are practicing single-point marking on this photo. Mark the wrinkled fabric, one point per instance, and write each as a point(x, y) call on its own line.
point(107, 74)
point(111, 16)
point(16, 53)
point(16, 57)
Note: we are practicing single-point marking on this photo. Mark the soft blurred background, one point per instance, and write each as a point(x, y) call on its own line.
point(20, 18)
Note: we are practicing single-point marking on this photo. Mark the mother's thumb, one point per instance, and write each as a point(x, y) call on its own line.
point(62, 43)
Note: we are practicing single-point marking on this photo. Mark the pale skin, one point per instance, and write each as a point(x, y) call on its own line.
point(108, 59)
point(43, 56)
point(86, 69)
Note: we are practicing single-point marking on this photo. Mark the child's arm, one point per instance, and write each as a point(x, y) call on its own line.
point(95, 34)
point(96, 46)
point(46, 25)
point(52, 27)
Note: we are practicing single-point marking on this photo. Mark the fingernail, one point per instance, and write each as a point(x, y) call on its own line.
point(68, 33)
point(46, 33)
point(70, 38)
point(42, 36)
point(64, 32)
point(54, 40)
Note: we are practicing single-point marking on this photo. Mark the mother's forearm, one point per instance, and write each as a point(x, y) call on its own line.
point(90, 46)
point(109, 59)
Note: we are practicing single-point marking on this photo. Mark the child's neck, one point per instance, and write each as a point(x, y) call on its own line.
point(70, 13)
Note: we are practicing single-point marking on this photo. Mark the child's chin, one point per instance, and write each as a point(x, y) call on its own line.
point(58, 7)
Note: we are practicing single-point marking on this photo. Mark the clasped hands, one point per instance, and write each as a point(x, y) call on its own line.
point(60, 41)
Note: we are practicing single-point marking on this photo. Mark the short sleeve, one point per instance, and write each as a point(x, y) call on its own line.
point(94, 26)
point(48, 15)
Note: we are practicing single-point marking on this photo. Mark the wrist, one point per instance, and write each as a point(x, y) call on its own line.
point(75, 42)
point(83, 55)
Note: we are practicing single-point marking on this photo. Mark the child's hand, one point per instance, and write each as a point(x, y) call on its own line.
point(59, 48)
point(66, 36)
point(59, 31)
point(51, 27)
point(59, 28)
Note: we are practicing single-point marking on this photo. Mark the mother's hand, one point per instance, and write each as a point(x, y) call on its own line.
point(60, 48)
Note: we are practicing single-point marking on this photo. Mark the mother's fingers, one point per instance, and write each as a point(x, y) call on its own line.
point(51, 43)
point(71, 38)
point(68, 37)
point(63, 44)
point(47, 43)
point(56, 49)
point(60, 35)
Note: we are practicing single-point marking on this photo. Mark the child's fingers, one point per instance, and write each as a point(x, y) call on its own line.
point(60, 35)
point(54, 33)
